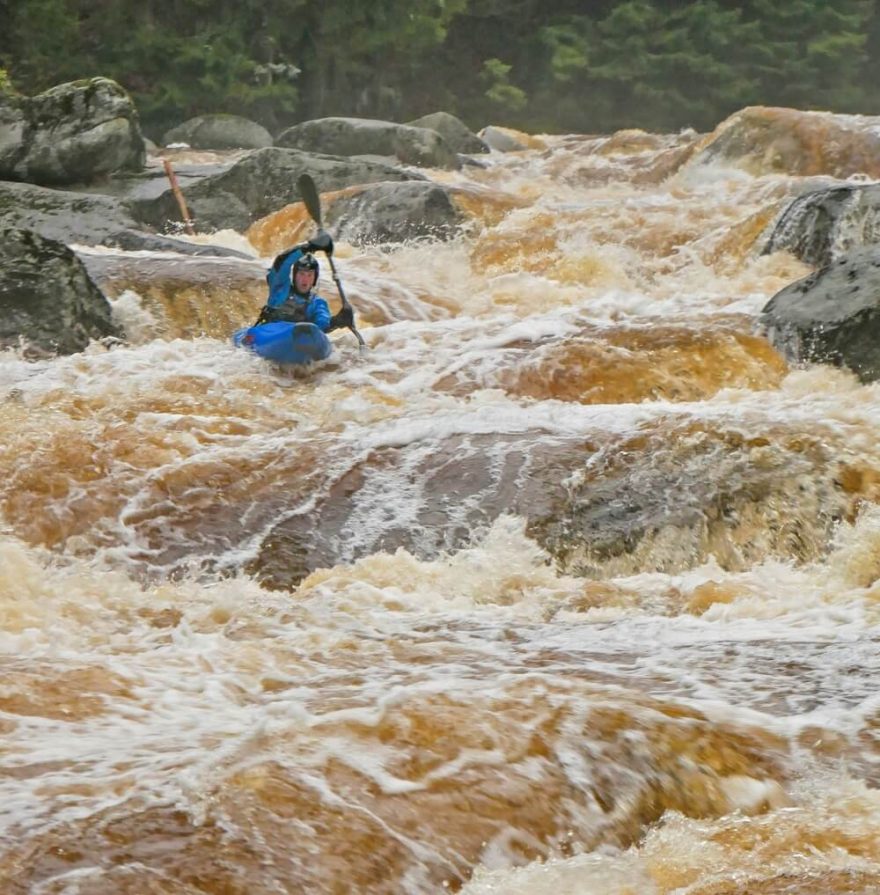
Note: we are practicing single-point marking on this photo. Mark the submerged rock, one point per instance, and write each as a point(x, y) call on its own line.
point(47, 300)
point(419, 146)
point(651, 504)
point(662, 503)
point(832, 316)
point(73, 133)
point(455, 493)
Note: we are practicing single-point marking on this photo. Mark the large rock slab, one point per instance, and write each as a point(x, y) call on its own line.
point(62, 215)
point(186, 296)
point(657, 504)
point(377, 213)
point(255, 186)
point(73, 133)
point(366, 136)
point(832, 316)
point(453, 130)
point(219, 132)
point(767, 140)
point(823, 224)
point(47, 300)
point(85, 219)
point(395, 212)
point(457, 493)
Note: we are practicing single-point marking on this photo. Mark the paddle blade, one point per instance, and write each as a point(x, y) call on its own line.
point(309, 194)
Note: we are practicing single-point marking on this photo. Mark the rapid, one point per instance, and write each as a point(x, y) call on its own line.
point(569, 585)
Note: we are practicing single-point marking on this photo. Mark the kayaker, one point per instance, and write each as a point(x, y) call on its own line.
point(292, 279)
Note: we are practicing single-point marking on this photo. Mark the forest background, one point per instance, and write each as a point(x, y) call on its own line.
point(568, 67)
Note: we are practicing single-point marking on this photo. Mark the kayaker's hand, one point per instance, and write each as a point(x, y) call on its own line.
point(342, 320)
point(322, 242)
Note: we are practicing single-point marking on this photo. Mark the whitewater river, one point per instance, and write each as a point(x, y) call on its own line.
point(570, 584)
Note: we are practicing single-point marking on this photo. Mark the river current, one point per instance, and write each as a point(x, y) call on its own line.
point(569, 585)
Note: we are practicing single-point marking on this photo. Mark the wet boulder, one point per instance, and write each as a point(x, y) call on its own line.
point(219, 132)
point(48, 303)
point(454, 131)
point(255, 186)
point(419, 146)
point(185, 296)
point(657, 504)
point(455, 492)
point(62, 215)
point(85, 219)
point(823, 224)
point(74, 133)
point(664, 503)
point(502, 139)
point(767, 140)
point(393, 212)
point(832, 316)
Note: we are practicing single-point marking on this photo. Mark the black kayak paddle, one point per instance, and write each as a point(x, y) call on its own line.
point(309, 194)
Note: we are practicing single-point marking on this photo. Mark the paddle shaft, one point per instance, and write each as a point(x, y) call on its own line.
point(344, 300)
point(312, 201)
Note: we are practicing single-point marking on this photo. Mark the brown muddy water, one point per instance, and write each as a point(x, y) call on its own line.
point(568, 585)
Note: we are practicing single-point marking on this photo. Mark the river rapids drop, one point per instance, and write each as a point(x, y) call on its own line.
point(570, 584)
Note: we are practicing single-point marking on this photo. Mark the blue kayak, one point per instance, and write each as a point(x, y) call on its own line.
point(285, 343)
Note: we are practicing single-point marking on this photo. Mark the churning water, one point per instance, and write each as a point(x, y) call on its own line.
point(569, 585)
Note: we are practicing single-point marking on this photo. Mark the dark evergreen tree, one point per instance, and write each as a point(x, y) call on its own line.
point(808, 54)
point(569, 66)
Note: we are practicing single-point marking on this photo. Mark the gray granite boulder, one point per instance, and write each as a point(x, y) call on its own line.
point(48, 303)
point(823, 224)
point(86, 219)
point(454, 131)
point(66, 216)
point(74, 133)
point(832, 316)
point(255, 186)
point(394, 212)
point(219, 132)
point(500, 140)
point(418, 146)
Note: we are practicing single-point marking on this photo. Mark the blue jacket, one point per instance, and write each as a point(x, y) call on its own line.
point(310, 308)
